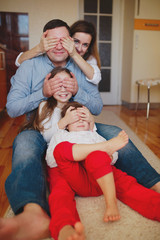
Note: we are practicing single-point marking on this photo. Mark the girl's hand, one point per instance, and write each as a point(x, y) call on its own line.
point(68, 44)
point(71, 116)
point(86, 116)
point(47, 43)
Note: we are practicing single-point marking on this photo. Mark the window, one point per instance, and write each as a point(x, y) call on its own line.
point(99, 12)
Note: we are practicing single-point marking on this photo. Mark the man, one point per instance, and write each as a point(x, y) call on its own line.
point(26, 186)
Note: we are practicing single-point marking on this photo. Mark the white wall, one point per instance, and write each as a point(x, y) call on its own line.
point(146, 63)
point(41, 11)
point(141, 51)
point(148, 9)
point(146, 52)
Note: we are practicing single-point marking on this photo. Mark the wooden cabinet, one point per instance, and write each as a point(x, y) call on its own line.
point(14, 35)
point(3, 83)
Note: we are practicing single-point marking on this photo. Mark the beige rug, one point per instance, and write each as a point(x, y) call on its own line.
point(132, 226)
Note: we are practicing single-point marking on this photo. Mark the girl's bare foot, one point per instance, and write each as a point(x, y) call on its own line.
point(72, 233)
point(31, 224)
point(112, 213)
point(117, 143)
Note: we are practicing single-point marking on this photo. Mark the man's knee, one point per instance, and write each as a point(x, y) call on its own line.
point(107, 131)
point(28, 145)
point(28, 139)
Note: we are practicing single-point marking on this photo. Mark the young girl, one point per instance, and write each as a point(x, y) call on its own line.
point(80, 132)
point(81, 46)
point(46, 117)
point(83, 159)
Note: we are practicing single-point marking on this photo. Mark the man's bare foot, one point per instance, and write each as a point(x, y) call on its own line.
point(31, 224)
point(156, 187)
point(72, 233)
point(112, 213)
point(117, 143)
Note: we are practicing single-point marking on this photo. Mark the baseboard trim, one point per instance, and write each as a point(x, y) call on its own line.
point(132, 106)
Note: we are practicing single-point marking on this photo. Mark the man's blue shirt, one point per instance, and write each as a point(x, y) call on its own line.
point(27, 87)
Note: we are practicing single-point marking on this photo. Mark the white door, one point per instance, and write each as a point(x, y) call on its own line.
point(106, 15)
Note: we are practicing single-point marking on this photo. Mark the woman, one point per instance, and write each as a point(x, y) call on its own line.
point(81, 46)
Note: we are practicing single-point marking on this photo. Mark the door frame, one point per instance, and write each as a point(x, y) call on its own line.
point(114, 96)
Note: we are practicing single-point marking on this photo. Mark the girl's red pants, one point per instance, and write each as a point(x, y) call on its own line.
point(72, 177)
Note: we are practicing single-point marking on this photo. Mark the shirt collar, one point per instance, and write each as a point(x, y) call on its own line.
point(50, 63)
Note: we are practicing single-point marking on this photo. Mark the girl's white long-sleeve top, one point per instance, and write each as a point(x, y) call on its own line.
point(50, 126)
point(80, 137)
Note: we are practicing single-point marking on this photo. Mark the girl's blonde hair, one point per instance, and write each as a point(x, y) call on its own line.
point(36, 119)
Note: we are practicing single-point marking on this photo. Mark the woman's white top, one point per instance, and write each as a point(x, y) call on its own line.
point(97, 73)
point(17, 59)
point(92, 61)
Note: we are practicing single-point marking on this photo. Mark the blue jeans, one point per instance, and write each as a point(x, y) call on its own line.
point(27, 181)
point(130, 160)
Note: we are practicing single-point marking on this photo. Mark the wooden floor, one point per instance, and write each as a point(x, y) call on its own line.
point(8, 131)
point(147, 130)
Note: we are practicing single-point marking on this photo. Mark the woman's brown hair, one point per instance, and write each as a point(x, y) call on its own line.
point(89, 28)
